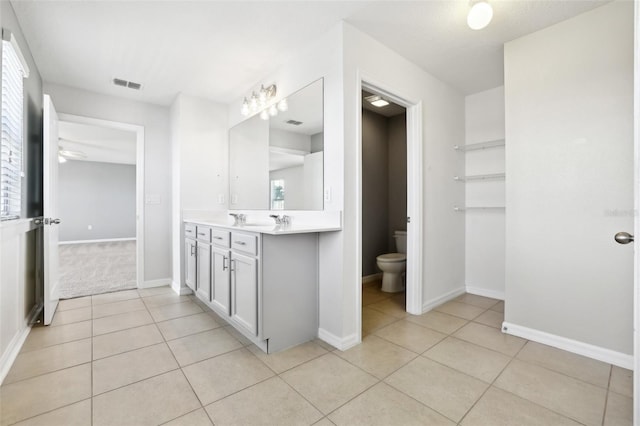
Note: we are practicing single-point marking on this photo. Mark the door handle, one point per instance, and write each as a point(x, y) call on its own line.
point(224, 263)
point(54, 222)
point(623, 238)
point(232, 264)
point(192, 249)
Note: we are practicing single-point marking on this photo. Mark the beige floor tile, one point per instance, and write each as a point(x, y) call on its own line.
point(619, 410)
point(78, 414)
point(370, 296)
point(163, 397)
point(184, 326)
point(40, 337)
point(391, 307)
point(377, 356)
point(239, 336)
point(123, 369)
point(500, 408)
point(115, 308)
point(292, 357)
point(78, 302)
point(461, 310)
point(573, 398)
point(71, 316)
point(328, 381)
point(382, 405)
point(498, 307)
point(373, 320)
point(31, 397)
point(154, 291)
point(491, 318)
point(198, 347)
point(223, 375)
point(475, 300)
point(176, 310)
point(586, 369)
point(324, 422)
point(474, 360)
point(438, 321)
point(125, 340)
point(326, 346)
point(116, 296)
point(441, 388)
point(165, 299)
point(51, 358)
point(121, 322)
point(194, 418)
point(621, 381)
point(410, 336)
point(271, 402)
point(490, 338)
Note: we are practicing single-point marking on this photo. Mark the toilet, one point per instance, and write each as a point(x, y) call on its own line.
point(393, 265)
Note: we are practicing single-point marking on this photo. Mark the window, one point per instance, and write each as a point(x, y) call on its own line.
point(277, 194)
point(13, 73)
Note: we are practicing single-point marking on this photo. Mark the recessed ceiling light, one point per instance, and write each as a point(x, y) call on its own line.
point(479, 15)
point(376, 101)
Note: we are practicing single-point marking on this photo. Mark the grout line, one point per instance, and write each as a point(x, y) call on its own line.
point(50, 411)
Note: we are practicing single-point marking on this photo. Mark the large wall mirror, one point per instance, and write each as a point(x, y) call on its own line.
point(278, 164)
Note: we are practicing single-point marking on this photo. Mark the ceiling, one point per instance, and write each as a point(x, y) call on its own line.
point(390, 110)
point(98, 143)
point(218, 49)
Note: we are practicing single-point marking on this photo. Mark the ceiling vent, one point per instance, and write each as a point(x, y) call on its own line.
point(294, 122)
point(124, 83)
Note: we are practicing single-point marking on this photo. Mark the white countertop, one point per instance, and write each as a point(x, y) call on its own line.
point(271, 229)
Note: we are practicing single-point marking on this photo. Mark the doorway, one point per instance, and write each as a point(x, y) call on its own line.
point(100, 191)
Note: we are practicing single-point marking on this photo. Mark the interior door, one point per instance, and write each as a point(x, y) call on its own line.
point(50, 211)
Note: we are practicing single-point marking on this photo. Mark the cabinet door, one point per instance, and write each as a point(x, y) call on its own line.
point(220, 284)
point(203, 280)
point(190, 263)
point(244, 292)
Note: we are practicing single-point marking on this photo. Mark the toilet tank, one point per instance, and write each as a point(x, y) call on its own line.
point(401, 241)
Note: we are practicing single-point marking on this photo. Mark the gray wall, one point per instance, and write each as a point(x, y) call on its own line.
point(397, 155)
point(102, 195)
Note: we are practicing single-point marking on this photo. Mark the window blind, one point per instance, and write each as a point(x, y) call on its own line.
point(11, 130)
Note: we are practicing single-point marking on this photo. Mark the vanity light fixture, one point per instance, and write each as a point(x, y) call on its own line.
point(264, 114)
point(376, 101)
point(479, 15)
point(259, 100)
point(283, 105)
point(273, 110)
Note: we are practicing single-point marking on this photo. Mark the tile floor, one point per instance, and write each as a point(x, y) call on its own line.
point(150, 357)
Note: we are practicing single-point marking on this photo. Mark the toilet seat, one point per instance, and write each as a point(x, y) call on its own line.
point(392, 257)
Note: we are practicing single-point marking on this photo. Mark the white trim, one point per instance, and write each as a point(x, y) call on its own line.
point(12, 351)
point(156, 283)
point(8, 36)
point(182, 291)
point(341, 343)
point(371, 278)
point(140, 184)
point(430, 304)
point(636, 202)
point(105, 240)
point(479, 291)
point(596, 352)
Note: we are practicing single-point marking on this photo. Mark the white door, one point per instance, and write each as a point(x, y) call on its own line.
point(220, 279)
point(50, 210)
point(203, 280)
point(244, 293)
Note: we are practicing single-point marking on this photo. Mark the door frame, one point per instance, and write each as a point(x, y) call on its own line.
point(636, 220)
point(139, 131)
point(414, 193)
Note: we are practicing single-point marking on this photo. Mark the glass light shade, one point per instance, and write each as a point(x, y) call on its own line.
point(264, 114)
point(262, 95)
point(282, 105)
point(480, 15)
point(273, 110)
point(253, 103)
point(245, 108)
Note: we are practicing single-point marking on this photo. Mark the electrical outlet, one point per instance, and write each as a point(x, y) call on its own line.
point(221, 199)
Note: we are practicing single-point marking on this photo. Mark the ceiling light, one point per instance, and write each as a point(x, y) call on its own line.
point(245, 107)
point(253, 103)
point(264, 114)
point(376, 101)
point(273, 110)
point(258, 100)
point(283, 105)
point(479, 15)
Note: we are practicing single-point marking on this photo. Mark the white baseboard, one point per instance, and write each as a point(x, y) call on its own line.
point(182, 291)
point(342, 343)
point(430, 304)
point(371, 278)
point(12, 351)
point(596, 352)
point(106, 240)
point(155, 283)
point(478, 291)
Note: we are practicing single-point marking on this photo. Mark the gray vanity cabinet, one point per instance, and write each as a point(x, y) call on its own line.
point(244, 292)
point(220, 284)
point(190, 256)
point(203, 263)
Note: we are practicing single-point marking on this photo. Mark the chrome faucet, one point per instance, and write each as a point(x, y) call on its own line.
point(238, 219)
point(281, 220)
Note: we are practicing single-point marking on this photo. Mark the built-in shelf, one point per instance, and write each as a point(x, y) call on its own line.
point(491, 176)
point(465, 208)
point(482, 145)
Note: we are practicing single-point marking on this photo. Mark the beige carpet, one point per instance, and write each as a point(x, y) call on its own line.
point(95, 268)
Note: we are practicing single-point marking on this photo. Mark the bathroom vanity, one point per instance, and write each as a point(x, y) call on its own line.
point(263, 280)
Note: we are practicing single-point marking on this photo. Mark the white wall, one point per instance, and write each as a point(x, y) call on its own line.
point(199, 164)
point(313, 180)
point(569, 158)
point(485, 229)
point(291, 140)
point(157, 164)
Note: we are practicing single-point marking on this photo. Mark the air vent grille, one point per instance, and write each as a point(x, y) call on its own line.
point(294, 122)
point(124, 83)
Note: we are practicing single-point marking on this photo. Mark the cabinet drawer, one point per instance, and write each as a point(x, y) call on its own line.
point(245, 243)
point(204, 234)
point(189, 230)
point(220, 237)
